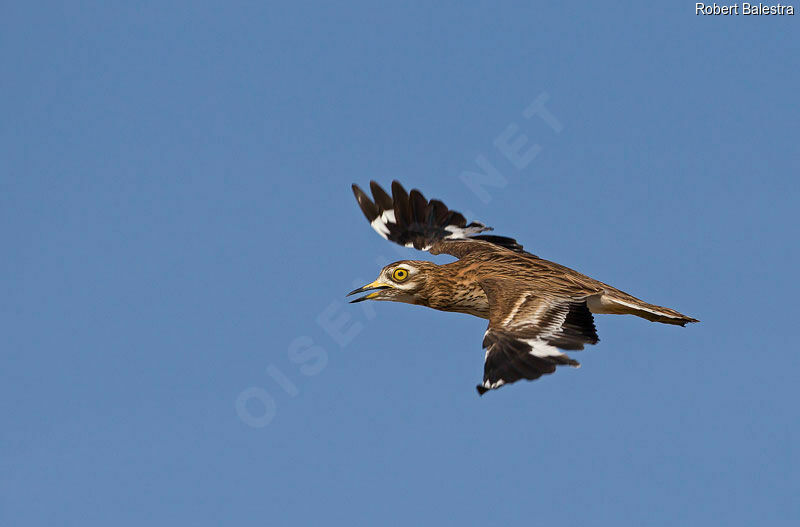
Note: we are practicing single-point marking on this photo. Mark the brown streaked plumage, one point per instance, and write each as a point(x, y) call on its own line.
point(535, 307)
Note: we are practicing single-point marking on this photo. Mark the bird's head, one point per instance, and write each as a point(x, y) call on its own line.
point(401, 281)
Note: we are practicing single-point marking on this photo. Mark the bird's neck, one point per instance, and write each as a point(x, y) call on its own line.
point(453, 288)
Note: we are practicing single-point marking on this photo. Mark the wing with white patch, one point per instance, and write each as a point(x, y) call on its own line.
point(526, 331)
point(413, 221)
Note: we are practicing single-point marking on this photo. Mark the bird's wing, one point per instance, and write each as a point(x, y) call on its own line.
point(411, 220)
point(526, 330)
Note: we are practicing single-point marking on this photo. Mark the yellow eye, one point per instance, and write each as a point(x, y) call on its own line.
point(399, 275)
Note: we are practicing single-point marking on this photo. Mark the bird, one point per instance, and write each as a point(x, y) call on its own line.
point(536, 308)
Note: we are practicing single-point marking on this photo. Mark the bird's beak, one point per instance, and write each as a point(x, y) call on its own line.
point(374, 285)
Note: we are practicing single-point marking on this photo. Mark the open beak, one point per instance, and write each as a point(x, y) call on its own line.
point(368, 287)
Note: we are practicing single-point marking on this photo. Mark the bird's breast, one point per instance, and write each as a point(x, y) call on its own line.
point(468, 299)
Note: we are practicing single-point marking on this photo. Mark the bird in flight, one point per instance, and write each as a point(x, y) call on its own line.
point(535, 307)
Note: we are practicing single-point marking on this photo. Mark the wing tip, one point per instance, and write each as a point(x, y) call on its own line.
point(398, 189)
point(410, 219)
point(368, 208)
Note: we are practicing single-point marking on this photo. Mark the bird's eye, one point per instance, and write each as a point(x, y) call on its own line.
point(399, 275)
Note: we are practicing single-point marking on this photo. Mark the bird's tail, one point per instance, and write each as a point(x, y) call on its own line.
point(616, 302)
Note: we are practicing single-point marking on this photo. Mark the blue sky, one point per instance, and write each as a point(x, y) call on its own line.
point(179, 234)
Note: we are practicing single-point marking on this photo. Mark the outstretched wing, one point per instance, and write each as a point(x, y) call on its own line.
point(526, 331)
point(412, 221)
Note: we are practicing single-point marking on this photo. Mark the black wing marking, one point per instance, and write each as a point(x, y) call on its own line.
point(526, 330)
point(502, 241)
point(412, 221)
point(509, 359)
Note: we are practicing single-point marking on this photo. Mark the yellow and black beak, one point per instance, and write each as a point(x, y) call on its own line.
point(374, 287)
